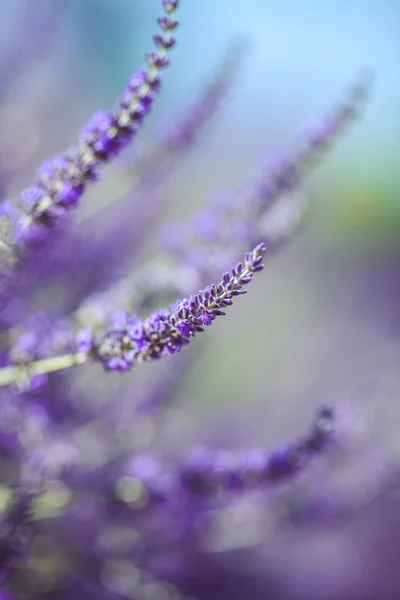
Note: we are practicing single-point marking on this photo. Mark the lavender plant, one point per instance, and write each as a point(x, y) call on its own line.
point(88, 509)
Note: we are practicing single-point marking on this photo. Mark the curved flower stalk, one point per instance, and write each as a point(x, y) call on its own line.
point(165, 332)
point(207, 474)
point(63, 180)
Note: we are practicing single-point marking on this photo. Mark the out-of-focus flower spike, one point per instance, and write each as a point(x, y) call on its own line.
point(319, 138)
point(63, 180)
point(284, 175)
point(187, 127)
point(278, 181)
point(277, 199)
point(208, 473)
point(234, 471)
point(271, 207)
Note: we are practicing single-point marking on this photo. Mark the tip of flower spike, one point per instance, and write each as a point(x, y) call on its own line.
point(341, 427)
point(253, 259)
point(170, 5)
point(260, 248)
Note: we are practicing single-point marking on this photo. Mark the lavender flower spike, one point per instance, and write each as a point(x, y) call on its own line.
point(185, 131)
point(62, 181)
point(165, 332)
point(208, 473)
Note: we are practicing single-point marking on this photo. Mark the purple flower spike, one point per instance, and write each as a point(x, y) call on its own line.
point(208, 473)
point(165, 332)
point(62, 181)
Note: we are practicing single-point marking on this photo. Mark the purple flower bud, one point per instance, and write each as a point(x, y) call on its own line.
point(164, 41)
point(170, 5)
point(156, 60)
point(69, 194)
point(84, 340)
point(186, 329)
point(167, 23)
point(32, 195)
point(206, 317)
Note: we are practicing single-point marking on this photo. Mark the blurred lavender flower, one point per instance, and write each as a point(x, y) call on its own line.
point(208, 474)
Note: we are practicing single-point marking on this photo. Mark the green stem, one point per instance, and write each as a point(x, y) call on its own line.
point(14, 373)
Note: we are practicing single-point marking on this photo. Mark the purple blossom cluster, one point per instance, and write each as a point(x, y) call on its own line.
point(166, 331)
point(91, 504)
